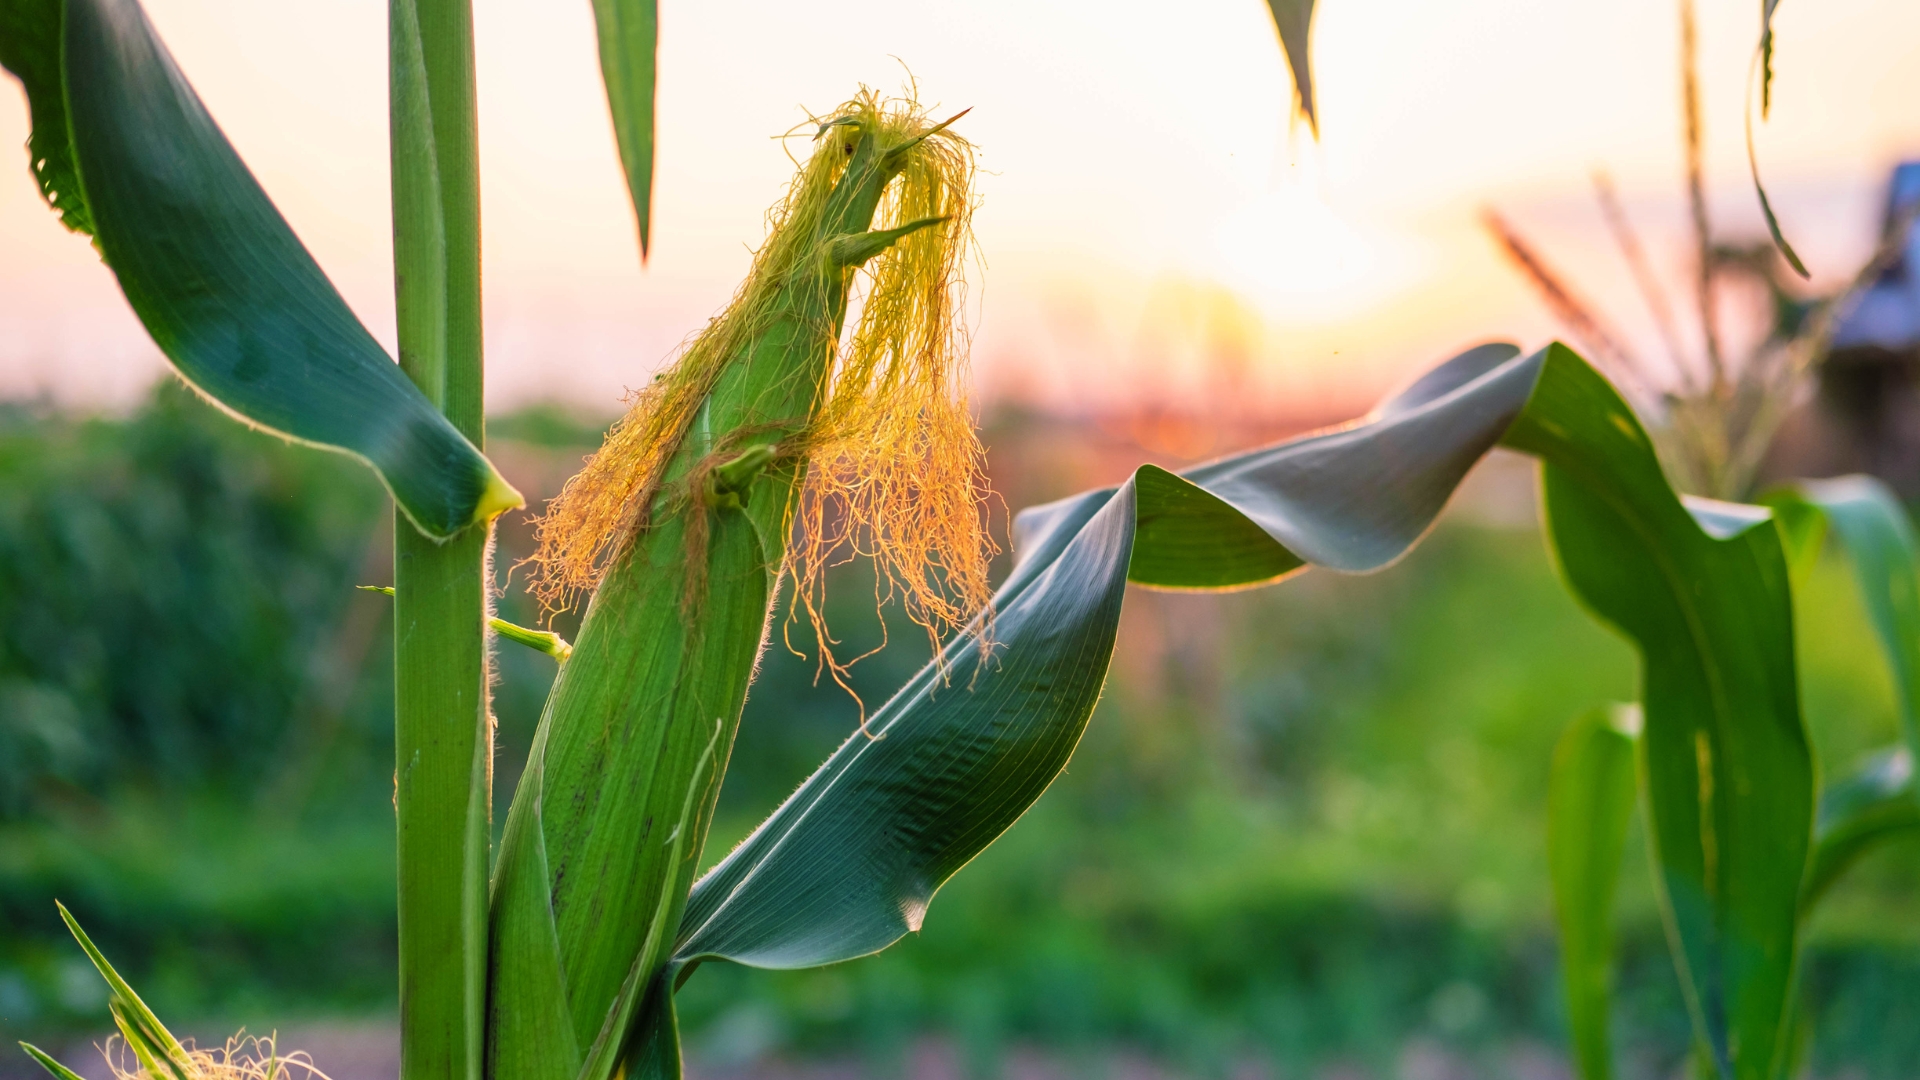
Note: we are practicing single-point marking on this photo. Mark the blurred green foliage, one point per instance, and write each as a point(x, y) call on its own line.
point(1307, 823)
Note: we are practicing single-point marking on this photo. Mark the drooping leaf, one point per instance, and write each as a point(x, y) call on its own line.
point(1767, 8)
point(629, 32)
point(1294, 20)
point(1590, 799)
point(30, 48)
point(1876, 804)
point(212, 269)
point(1765, 62)
point(851, 861)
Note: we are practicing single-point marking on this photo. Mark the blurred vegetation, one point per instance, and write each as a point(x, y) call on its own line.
point(1306, 823)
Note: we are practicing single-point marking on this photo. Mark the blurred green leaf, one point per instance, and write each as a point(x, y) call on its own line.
point(1876, 804)
point(1868, 519)
point(629, 42)
point(1590, 799)
point(212, 269)
point(1701, 590)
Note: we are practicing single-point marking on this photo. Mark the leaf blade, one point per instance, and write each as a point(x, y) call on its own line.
point(214, 273)
point(628, 32)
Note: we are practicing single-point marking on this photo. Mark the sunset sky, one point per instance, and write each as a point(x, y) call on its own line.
point(1146, 206)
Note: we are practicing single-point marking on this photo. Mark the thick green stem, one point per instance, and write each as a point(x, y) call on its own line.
point(442, 727)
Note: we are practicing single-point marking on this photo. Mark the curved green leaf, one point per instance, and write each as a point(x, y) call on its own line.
point(1590, 799)
point(851, 861)
point(1875, 804)
point(124, 147)
point(629, 32)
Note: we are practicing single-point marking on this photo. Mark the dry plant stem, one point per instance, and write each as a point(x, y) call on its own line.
point(1643, 277)
point(442, 736)
point(1697, 194)
point(1578, 315)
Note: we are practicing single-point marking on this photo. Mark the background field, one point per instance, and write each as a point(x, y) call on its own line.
point(1304, 833)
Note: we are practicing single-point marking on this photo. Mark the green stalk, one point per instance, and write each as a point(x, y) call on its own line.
point(442, 726)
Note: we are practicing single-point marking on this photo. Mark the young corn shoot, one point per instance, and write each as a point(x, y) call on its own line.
point(779, 437)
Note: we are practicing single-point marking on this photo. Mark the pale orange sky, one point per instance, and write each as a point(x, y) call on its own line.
point(1140, 169)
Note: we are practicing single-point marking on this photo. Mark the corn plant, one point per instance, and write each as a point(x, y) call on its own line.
point(1603, 760)
point(800, 421)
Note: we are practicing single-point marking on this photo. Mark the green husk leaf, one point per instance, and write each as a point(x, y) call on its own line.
point(641, 718)
point(131, 1012)
point(59, 1071)
point(212, 269)
point(629, 32)
point(1590, 800)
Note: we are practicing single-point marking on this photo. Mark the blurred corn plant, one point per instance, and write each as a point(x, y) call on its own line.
point(1715, 402)
point(1603, 762)
point(825, 409)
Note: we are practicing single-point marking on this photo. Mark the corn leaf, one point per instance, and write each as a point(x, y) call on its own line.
point(1876, 804)
point(59, 1071)
point(124, 148)
point(1590, 799)
point(851, 861)
point(1868, 519)
point(1294, 20)
point(629, 32)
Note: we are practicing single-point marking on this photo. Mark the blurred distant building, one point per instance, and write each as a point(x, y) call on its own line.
point(1866, 414)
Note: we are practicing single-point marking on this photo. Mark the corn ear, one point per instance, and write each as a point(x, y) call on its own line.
point(606, 828)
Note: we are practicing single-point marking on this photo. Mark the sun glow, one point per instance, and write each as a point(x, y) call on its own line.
point(1298, 259)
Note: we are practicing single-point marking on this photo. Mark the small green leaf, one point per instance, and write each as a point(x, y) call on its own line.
point(544, 641)
point(59, 1071)
point(629, 33)
point(211, 268)
point(1590, 798)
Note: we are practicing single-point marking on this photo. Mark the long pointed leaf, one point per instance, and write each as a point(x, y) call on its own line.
point(629, 32)
point(125, 148)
